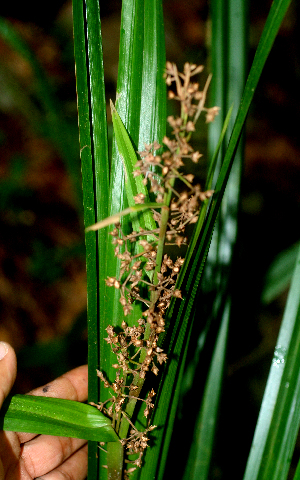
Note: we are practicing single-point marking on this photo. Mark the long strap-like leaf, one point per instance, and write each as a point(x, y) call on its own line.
point(190, 279)
point(229, 60)
point(95, 173)
point(279, 418)
point(200, 453)
point(141, 105)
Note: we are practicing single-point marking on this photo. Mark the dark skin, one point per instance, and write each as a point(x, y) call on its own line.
point(25, 456)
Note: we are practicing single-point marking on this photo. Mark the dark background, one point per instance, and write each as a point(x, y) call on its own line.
point(42, 266)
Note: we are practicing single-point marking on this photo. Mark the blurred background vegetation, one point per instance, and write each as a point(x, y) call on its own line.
point(42, 264)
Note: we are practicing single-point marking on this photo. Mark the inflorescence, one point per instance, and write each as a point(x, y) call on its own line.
point(146, 275)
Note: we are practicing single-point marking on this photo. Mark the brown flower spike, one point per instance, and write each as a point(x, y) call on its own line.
point(148, 274)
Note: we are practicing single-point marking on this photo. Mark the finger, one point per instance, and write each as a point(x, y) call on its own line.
point(75, 468)
point(72, 385)
point(8, 370)
point(9, 444)
point(45, 453)
point(13, 468)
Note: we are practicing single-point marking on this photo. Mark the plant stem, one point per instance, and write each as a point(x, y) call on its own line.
point(161, 243)
point(124, 425)
point(138, 381)
point(115, 454)
point(165, 211)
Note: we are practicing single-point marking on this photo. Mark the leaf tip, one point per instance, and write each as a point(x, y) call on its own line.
point(112, 107)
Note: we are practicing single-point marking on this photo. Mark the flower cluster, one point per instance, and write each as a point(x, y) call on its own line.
point(127, 363)
point(187, 93)
point(147, 273)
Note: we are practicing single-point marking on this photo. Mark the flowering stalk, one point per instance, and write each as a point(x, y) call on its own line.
point(148, 275)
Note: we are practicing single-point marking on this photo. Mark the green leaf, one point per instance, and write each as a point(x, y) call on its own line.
point(54, 416)
point(297, 474)
point(141, 105)
point(133, 185)
point(279, 418)
point(206, 423)
point(211, 172)
point(280, 273)
point(180, 312)
point(229, 59)
point(94, 159)
point(95, 177)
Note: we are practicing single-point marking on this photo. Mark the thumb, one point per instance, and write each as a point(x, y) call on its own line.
point(8, 369)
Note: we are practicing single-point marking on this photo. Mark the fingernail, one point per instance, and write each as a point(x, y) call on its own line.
point(3, 350)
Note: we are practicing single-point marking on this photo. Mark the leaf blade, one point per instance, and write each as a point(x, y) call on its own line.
point(140, 19)
point(95, 176)
point(280, 273)
point(206, 422)
point(191, 275)
point(133, 185)
point(55, 416)
point(279, 416)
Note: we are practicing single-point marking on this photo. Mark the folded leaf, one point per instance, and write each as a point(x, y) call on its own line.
point(134, 185)
point(54, 416)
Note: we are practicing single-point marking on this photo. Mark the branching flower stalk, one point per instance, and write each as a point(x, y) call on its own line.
point(147, 274)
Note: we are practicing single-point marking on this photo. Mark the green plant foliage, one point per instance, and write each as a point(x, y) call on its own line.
point(178, 343)
point(134, 185)
point(141, 101)
point(279, 418)
point(228, 64)
point(279, 274)
point(297, 474)
point(95, 174)
point(190, 276)
point(54, 416)
point(200, 453)
point(108, 192)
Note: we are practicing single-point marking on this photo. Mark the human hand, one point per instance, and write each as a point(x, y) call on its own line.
point(25, 456)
